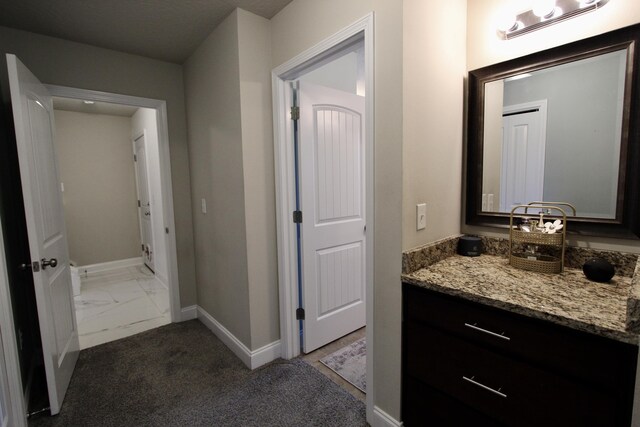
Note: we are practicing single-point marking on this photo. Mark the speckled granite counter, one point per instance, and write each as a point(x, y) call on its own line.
point(567, 299)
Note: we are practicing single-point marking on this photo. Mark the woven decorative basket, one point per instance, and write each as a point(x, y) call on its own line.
point(536, 238)
point(552, 242)
point(544, 264)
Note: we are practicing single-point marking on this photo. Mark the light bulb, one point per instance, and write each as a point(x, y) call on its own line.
point(544, 8)
point(506, 20)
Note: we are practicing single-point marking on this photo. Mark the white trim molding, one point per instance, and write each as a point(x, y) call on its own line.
point(362, 29)
point(251, 358)
point(17, 406)
point(110, 265)
point(382, 419)
point(162, 121)
point(189, 313)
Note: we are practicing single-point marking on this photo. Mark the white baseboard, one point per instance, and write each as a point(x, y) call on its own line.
point(382, 419)
point(189, 313)
point(265, 354)
point(164, 281)
point(252, 359)
point(111, 265)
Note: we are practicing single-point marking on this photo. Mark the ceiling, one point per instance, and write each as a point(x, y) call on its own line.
point(169, 30)
point(79, 106)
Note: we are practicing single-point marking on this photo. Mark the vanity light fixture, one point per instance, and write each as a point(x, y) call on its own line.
point(545, 12)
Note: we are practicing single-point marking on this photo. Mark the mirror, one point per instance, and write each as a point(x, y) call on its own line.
point(557, 126)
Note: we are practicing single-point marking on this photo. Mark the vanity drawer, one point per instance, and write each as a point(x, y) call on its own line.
point(502, 388)
point(425, 406)
point(589, 358)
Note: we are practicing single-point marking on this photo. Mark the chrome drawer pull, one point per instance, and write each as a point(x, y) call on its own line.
point(484, 386)
point(502, 335)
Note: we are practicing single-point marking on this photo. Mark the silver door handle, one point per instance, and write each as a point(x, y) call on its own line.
point(502, 335)
point(53, 263)
point(471, 380)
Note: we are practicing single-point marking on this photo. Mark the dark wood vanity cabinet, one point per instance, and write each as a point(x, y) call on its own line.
point(464, 363)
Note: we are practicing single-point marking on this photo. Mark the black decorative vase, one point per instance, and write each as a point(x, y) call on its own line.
point(598, 270)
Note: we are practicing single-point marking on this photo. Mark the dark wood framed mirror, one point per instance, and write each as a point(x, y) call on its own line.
point(560, 125)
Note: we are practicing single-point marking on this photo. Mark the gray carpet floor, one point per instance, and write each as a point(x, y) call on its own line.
point(182, 375)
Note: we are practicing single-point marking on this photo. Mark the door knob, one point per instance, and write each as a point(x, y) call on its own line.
point(53, 263)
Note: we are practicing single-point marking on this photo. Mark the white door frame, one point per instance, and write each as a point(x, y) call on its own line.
point(18, 408)
point(165, 174)
point(285, 186)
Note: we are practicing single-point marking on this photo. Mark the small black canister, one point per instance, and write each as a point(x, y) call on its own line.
point(469, 246)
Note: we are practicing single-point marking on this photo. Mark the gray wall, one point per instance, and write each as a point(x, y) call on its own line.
point(341, 74)
point(64, 63)
point(212, 85)
point(96, 167)
point(254, 45)
point(228, 89)
point(583, 129)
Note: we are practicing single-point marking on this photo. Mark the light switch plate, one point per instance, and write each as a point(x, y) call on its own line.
point(421, 216)
point(204, 206)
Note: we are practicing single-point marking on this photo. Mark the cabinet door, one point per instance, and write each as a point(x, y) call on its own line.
point(505, 389)
point(599, 361)
point(425, 406)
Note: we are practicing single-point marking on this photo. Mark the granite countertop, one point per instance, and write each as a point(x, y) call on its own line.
point(567, 299)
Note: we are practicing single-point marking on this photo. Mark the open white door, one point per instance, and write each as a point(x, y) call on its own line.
point(144, 200)
point(332, 200)
point(523, 151)
point(33, 118)
point(5, 404)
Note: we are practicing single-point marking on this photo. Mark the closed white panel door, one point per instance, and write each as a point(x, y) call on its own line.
point(332, 200)
point(144, 208)
point(33, 117)
point(522, 174)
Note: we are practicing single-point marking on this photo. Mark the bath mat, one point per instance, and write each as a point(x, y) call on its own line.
point(350, 363)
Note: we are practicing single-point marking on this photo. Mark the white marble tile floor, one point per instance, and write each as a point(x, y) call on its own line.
point(119, 303)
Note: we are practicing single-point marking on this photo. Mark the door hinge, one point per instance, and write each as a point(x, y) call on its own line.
point(295, 113)
point(142, 247)
point(297, 217)
point(139, 205)
point(300, 313)
point(166, 230)
point(135, 158)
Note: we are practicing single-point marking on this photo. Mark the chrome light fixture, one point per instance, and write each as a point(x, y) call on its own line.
point(545, 12)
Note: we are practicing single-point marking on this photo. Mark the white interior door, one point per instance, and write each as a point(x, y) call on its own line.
point(523, 147)
point(144, 200)
point(33, 118)
point(332, 200)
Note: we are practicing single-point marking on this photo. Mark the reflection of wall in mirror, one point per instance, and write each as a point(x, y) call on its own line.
point(583, 131)
point(492, 150)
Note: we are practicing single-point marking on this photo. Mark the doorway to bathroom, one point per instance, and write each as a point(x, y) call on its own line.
point(323, 121)
point(108, 162)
